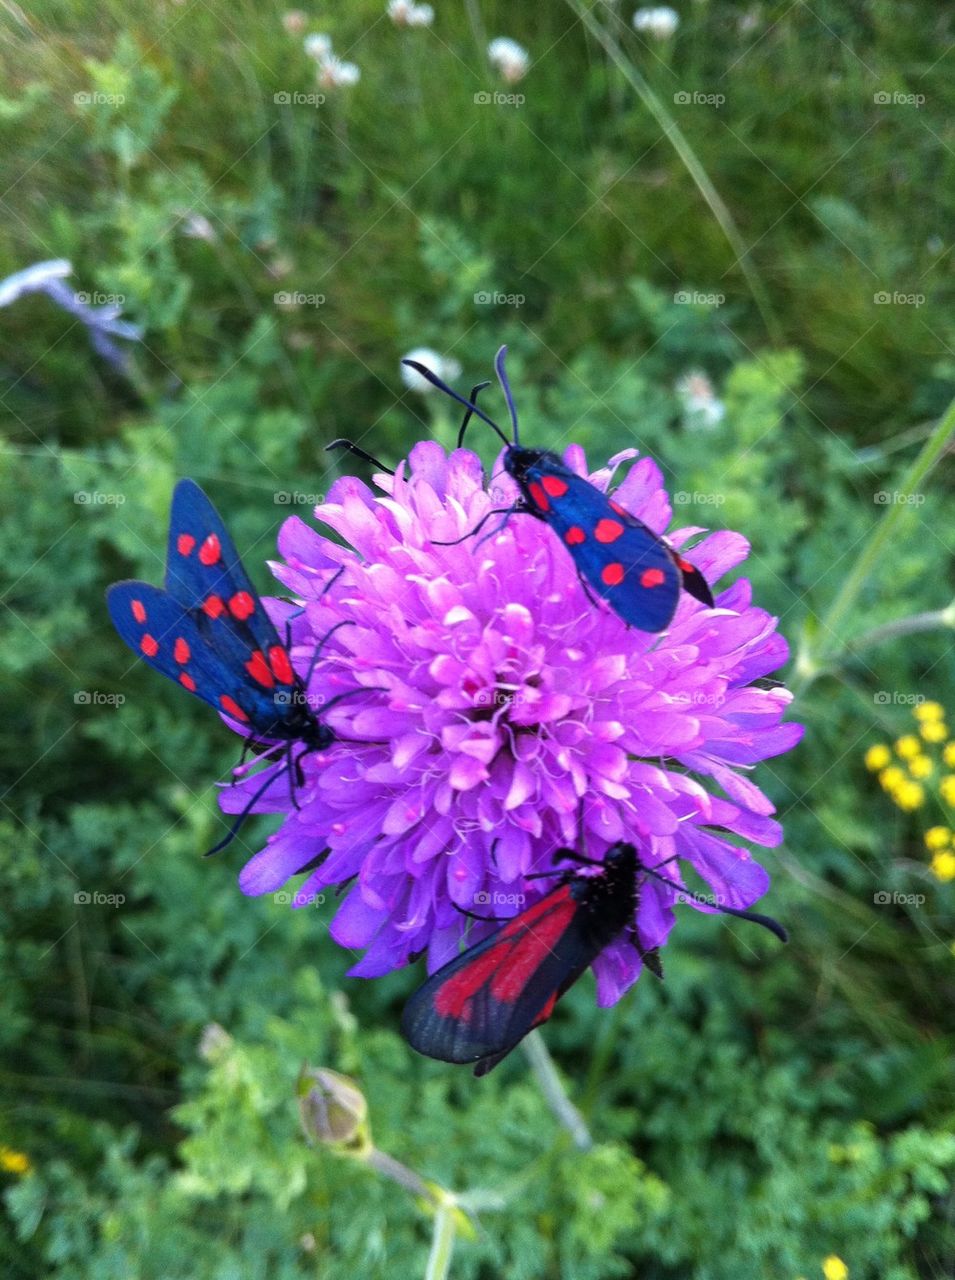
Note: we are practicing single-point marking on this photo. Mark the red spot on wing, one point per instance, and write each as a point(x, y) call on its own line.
point(541, 500)
point(686, 566)
point(232, 708)
point(187, 682)
point(453, 997)
point(149, 645)
point(241, 605)
point(139, 610)
point(554, 486)
point(258, 669)
point(612, 574)
point(211, 550)
point(652, 578)
point(184, 544)
point(615, 506)
point(608, 530)
point(575, 536)
point(213, 606)
point(181, 651)
point(279, 661)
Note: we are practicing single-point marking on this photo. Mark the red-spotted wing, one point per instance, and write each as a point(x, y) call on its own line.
point(209, 631)
point(481, 1004)
point(617, 555)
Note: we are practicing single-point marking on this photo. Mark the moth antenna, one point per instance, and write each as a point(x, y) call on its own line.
point(443, 386)
point(755, 917)
point(342, 443)
point(506, 388)
point(475, 392)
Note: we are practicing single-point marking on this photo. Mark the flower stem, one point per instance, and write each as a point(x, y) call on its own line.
point(931, 620)
point(442, 1243)
point(697, 172)
point(810, 664)
point(543, 1067)
point(391, 1168)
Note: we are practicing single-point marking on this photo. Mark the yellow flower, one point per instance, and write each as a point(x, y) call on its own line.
point(948, 755)
point(943, 865)
point(17, 1162)
point(891, 777)
point(947, 788)
point(833, 1268)
point(878, 757)
point(909, 795)
point(934, 731)
point(908, 746)
point(937, 837)
point(920, 766)
point(929, 711)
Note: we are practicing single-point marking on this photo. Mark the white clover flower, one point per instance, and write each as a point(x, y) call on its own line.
point(700, 402)
point(318, 46)
point(509, 59)
point(335, 74)
point(404, 13)
point(445, 367)
point(660, 22)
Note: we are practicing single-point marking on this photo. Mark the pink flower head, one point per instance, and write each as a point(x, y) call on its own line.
point(512, 717)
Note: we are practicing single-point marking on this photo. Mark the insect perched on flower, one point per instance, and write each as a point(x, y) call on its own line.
point(210, 633)
point(482, 1003)
point(516, 720)
point(636, 572)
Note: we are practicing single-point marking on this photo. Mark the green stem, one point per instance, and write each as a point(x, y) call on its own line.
point(812, 664)
point(679, 142)
point(931, 620)
point(442, 1244)
point(543, 1067)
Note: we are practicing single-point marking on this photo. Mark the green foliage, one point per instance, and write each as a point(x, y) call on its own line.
point(763, 1107)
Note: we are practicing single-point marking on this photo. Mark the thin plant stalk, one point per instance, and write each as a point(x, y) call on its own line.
point(694, 166)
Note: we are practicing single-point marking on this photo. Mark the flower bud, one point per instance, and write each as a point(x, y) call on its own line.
point(332, 1107)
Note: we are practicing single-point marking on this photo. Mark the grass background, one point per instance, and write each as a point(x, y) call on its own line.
point(763, 1108)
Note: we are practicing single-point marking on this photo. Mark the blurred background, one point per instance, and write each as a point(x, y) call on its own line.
point(722, 235)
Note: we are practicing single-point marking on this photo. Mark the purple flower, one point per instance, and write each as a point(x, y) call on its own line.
point(514, 717)
point(102, 322)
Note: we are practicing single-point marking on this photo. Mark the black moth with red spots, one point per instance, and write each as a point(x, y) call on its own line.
point(481, 1004)
point(209, 632)
point(617, 555)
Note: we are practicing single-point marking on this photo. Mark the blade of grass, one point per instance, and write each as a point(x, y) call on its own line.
point(697, 172)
